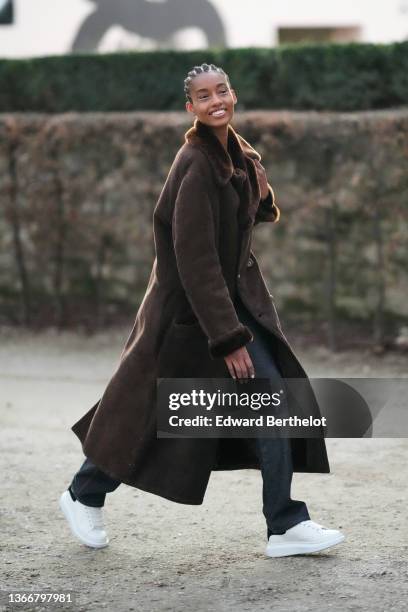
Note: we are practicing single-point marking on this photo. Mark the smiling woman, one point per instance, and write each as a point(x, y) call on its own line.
point(207, 313)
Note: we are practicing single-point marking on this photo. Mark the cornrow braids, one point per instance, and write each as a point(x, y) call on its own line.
point(199, 70)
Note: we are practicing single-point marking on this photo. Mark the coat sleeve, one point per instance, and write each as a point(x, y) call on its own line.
point(267, 209)
point(199, 267)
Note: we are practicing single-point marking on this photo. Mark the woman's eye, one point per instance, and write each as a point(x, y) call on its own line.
point(224, 91)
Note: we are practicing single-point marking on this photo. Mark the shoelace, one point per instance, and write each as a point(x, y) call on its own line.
point(95, 517)
point(314, 526)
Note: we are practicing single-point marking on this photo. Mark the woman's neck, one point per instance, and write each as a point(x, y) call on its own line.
point(222, 135)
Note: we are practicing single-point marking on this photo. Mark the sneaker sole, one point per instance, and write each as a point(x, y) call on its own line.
point(65, 509)
point(285, 550)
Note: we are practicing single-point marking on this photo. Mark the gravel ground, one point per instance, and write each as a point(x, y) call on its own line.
point(168, 556)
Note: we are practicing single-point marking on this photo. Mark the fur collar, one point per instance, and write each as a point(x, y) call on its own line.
point(226, 165)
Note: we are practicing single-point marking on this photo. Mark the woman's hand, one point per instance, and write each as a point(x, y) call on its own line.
point(240, 364)
point(262, 179)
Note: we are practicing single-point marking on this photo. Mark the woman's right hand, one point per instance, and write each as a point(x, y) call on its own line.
point(239, 364)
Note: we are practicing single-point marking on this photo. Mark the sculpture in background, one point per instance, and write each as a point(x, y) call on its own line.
point(155, 20)
point(6, 12)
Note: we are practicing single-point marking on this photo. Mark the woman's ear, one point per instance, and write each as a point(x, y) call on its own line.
point(234, 95)
point(189, 107)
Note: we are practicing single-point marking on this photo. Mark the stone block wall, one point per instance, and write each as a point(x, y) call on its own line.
point(78, 190)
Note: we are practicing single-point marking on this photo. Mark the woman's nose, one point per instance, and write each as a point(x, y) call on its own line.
point(216, 99)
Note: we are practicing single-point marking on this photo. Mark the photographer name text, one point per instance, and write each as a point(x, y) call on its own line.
point(259, 421)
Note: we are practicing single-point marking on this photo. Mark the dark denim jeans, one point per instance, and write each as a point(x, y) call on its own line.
point(274, 454)
point(90, 484)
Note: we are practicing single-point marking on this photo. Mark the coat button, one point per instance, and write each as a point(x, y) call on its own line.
point(250, 262)
point(239, 276)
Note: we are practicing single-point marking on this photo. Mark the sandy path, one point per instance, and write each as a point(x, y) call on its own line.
point(168, 556)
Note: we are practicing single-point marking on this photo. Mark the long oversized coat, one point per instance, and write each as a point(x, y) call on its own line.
point(187, 323)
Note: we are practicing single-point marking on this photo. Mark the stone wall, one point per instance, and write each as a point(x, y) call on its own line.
point(78, 191)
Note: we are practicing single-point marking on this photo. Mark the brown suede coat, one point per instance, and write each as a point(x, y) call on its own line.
point(187, 322)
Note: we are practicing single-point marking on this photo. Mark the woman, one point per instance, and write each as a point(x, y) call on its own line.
point(207, 312)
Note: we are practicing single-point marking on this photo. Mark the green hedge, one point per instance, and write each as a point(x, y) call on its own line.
point(331, 76)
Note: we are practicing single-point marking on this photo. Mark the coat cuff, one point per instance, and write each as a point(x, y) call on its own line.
point(267, 208)
point(224, 345)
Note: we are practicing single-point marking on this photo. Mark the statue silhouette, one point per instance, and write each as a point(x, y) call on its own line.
point(6, 12)
point(156, 20)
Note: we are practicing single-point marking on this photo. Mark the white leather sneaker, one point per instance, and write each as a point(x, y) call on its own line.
point(305, 537)
point(86, 522)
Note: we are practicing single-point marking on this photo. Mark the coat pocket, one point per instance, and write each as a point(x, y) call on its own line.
point(182, 329)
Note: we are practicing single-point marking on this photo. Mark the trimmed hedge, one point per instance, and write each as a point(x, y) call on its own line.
point(338, 77)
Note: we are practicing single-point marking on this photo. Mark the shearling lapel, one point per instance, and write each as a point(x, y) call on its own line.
point(236, 164)
point(200, 135)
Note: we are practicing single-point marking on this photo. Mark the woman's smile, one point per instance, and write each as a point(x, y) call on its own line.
point(218, 113)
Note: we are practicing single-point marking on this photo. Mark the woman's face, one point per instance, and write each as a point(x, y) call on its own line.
point(213, 100)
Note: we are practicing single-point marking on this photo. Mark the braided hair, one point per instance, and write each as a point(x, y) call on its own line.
point(199, 70)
